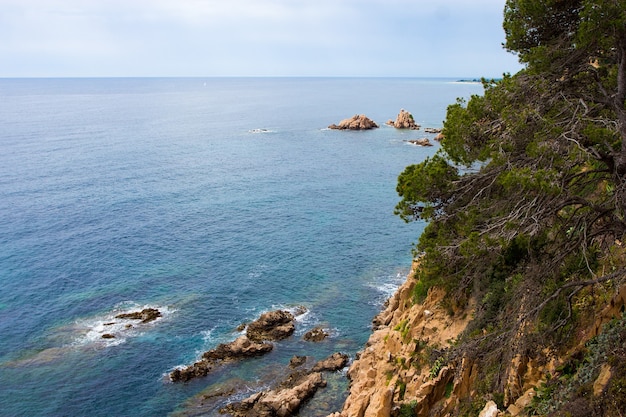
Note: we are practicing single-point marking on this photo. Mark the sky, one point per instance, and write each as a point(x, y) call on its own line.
point(152, 38)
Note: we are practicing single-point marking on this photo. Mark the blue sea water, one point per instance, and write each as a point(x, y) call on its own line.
point(213, 200)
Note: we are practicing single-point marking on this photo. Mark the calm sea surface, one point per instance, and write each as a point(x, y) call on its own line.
point(213, 200)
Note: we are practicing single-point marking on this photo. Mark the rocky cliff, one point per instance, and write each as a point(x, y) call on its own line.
point(420, 361)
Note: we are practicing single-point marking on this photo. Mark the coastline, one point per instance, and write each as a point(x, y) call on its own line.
point(393, 364)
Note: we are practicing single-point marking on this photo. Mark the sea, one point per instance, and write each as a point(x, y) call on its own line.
point(212, 200)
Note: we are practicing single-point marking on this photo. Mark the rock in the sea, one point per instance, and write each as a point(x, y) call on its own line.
point(334, 362)
point(404, 120)
point(288, 396)
point(297, 361)
point(240, 348)
point(146, 315)
point(316, 334)
point(108, 336)
point(420, 142)
point(273, 325)
point(356, 122)
point(432, 130)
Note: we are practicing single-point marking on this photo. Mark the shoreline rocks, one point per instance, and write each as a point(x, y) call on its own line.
point(356, 122)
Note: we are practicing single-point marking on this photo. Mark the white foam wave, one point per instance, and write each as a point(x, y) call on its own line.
point(260, 131)
point(387, 286)
point(109, 330)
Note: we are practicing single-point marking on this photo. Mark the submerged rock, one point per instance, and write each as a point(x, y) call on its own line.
point(356, 122)
point(146, 315)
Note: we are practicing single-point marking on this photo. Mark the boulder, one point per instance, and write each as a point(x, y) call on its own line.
point(273, 325)
point(316, 334)
point(356, 122)
point(146, 315)
point(420, 142)
point(334, 362)
point(404, 120)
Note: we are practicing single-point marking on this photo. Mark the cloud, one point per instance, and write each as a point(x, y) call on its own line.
point(247, 37)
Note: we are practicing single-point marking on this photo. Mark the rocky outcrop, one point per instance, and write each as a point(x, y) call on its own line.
point(404, 120)
point(270, 326)
point(285, 399)
point(391, 370)
point(146, 315)
point(356, 122)
point(273, 325)
point(432, 130)
point(240, 348)
point(316, 334)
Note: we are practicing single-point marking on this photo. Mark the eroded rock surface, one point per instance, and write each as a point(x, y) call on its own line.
point(404, 120)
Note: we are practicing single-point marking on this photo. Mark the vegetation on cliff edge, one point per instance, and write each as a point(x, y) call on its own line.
point(526, 199)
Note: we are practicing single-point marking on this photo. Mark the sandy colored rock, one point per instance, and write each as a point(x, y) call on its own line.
point(603, 380)
point(404, 120)
point(490, 410)
point(356, 122)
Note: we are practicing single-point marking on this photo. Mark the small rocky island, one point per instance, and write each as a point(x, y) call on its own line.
point(356, 122)
point(404, 120)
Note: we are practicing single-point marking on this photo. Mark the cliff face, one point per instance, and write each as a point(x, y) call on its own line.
point(393, 368)
point(404, 369)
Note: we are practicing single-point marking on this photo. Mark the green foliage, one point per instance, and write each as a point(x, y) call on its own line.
point(430, 182)
point(404, 329)
point(525, 198)
point(408, 409)
point(401, 387)
point(437, 367)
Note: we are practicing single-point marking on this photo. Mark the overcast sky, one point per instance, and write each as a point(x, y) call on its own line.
point(414, 38)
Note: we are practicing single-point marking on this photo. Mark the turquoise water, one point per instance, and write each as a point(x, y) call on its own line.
point(211, 199)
